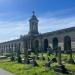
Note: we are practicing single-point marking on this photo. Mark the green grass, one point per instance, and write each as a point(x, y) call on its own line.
point(24, 69)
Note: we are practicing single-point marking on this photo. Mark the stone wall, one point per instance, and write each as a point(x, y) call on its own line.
point(43, 40)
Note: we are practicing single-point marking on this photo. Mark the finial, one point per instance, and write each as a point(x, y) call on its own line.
point(33, 12)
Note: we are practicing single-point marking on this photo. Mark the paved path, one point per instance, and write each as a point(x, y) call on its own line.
point(4, 72)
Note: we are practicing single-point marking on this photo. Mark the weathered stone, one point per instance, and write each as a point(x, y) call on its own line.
point(27, 61)
point(49, 51)
point(60, 67)
point(70, 59)
point(12, 58)
point(34, 63)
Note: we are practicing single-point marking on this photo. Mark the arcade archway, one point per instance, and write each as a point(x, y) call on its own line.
point(67, 43)
point(36, 45)
point(45, 44)
point(55, 43)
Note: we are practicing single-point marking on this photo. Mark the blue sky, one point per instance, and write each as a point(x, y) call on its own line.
point(52, 14)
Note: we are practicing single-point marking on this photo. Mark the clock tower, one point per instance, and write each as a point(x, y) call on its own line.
point(33, 25)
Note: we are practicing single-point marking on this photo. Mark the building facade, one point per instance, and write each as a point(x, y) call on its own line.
point(34, 41)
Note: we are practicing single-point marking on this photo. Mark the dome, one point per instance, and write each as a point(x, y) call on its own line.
point(33, 17)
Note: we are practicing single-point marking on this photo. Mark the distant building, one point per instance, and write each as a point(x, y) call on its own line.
point(64, 38)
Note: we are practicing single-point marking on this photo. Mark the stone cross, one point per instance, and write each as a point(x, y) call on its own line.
point(18, 54)
point(33, 12)
point(60, 67)
point(70, 59)
point(70, 54)
point(59, 56)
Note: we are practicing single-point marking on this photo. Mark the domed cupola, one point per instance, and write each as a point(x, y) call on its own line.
point(33, 17)
point(33, 24)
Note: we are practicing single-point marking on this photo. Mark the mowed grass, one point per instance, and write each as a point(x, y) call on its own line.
point(24, 69)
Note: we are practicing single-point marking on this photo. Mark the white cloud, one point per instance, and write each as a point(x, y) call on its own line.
point(52, 24)
point(10, 30)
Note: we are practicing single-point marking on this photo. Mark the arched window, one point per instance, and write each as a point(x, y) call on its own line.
point(36, 44)
point(45, 44)
point(67, 43)
point(55, 43)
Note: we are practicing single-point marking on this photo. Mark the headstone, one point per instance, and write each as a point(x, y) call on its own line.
point(47, 65)
point(26, 59)
point(56, 52)
point(60, 67)
point(37, 54)
point(25, 46)
point(49, 51)
point(70, 59)
point(12, 58)
point(33, 62)
point(43, 58)
point(18, 57)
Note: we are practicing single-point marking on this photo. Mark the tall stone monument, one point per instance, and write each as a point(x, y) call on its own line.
point(60, 67)
point(25, 45)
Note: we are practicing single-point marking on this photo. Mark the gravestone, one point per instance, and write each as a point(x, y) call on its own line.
point(47, 64)
point(37, 54)
point(26, 59)
point(25, 47)
point(33, 62)
point(49, 51)
point(42, 57)
point(60, 67)
point(70, 59)
point(18, 57)
point(56, 52)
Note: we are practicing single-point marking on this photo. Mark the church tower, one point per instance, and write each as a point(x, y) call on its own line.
point(33, 25)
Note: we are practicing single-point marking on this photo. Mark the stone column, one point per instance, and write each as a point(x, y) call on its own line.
point(59, 56)
point(40, 43)
point(25, 52)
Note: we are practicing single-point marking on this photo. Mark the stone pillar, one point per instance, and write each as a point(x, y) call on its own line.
point(12, 47)
point(4, 48)
point(41, 43)
point(30, 43)
point(17, 50)
point(19, 46)
point(9, 48)
point(25, 52)
point(59, 56)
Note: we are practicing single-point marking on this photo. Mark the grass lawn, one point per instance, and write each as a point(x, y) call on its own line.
point(24, 69)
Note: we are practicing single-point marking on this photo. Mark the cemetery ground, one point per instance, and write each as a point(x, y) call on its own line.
point(28, 69)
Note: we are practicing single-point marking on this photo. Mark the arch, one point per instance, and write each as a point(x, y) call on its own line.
point(36, 44)
point(55, 43)
point(45, 44)
point(67, 43)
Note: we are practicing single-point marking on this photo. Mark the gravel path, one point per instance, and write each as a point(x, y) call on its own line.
point(4, 72)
